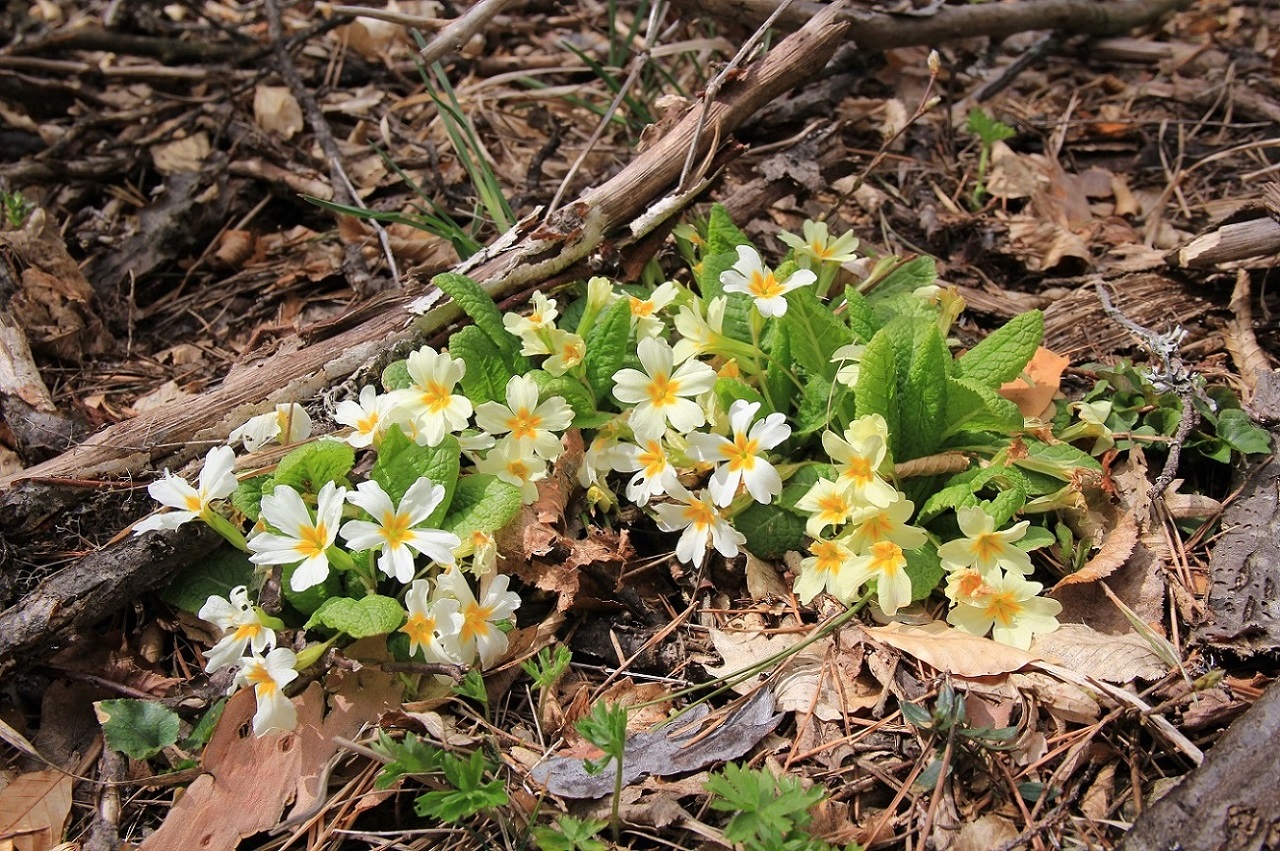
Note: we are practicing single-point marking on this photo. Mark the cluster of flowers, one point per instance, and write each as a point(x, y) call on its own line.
point(672, 426)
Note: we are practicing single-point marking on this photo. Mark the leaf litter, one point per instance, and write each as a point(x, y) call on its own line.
point(1055, 219)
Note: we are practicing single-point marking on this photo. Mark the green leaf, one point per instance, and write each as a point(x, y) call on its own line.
point(481, 503)
point(1005, 353)
point(948, 498)
point(247, 497)
point(877, 388)
point(478, 305)
point(203, 730)
point(313, 465)
point(371, 615)
point(213, 575)
point(570, 834)
point(487, 372)
point(737, 310)
point(1036, 537)
point(306, 602)
point(777, 380)
point(1060, 460)
point(814, 332)
point(770, 530)
point(974, 407)
point(575, 396)
point(988, 130)
point(608, 343)
point(923, 405)
point(765, 806)
point(818, 405)
point(139, 729)
point(908, 277)
point(860, 316)
point(469, 796)
point(396, 376)
point(1235, 427)
point(722, 234)
point(730, 390)
point(801, 481)
point(401, 462)
point(925, 570)
point(412, 755)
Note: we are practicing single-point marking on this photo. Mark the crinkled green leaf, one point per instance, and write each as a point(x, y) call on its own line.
point(313, 465)
point(371, 615)
point(306, 602)
point(1005, 352)
point(214, 575)
point(1060, 460)
point(1237, 430)
point(607, 345)
point(722, 234)
point(412, 755)
point(974, 407)
point(817, 406)
point(877, 388)
point(396, 376)
point(860, 316)
point(918, 272)
point(779, 369)
point(401, 462)
point(481, 503)
point(815, 333)
point(478, 305)
point(730, 390)
point(1036, 537)
point(923, 405)
point(575, 396)
point(925, 570)
point(247, 497)
point(1005, 505)
point(770, 530)
point(487, 372)
point(139, 729)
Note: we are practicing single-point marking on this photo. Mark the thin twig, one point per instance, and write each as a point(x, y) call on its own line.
point(455, 36)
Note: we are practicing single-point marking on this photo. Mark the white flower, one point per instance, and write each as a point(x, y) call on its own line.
point(982, 547)
point(289, 423)
point(602, 455)
point(828, 569)
point(884, 564)
point(482, 547)
point(600, 293)
point(217, 481)
point(241, 625)
point(533, 424)
point(702, 524)
point(516, 465)
point(302, 540)
point(827, 503)
point(543, 316)
point(817, 246)
point(849, 359)
point(699, 334)
point(479, 634)
point(858, 458)
point(749, 276)
point(433, 625)
point(741, 458)
point(396, 531)
point(1006, 605)
point(566, 348)
point(661, 395)
point(430, 401)
point(269, 676)
point(644, 310)
point(368, 418)
point(873, 524)
point(654, 473)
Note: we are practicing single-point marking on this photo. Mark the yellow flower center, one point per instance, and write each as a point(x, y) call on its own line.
point(886, 558)
point(247, 631)
point(700, 515)
point(859, 470)
point(420, 628)
point(987, 546)
point(653, 460)
point(475, 621)
point(764, 286)
point(970, 584)
point(436, 397)
point(519, 469)
point(193, 503)
point(741, 453)
point(641, 307)
point(263, 684)
point(830, 556)
point(662, 391)
point(369, 424)
point(1003, 608)
point(395, 528)
point(820, 250)
point(833, 506)
point(524, 424)
point(312, 540)
point(877, 527)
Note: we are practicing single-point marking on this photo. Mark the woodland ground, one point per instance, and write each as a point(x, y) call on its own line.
point(166, 147)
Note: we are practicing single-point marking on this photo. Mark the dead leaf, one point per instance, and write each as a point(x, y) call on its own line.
point(1116, 548)
point(1045, 372)
point(951, 650)
point(276, 110)
point(186, 154)
point(1114, 658)
point(677, 747)
point(763, 581)
point(34, 809)
point(985, 832)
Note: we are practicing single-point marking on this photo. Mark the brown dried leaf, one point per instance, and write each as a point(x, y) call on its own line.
point(1116, 548)
point(34, 809)
point(1114, 658)
point(1045, 372)
point(276, 110)
point(950, 650)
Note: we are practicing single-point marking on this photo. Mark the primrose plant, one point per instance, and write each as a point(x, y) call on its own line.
point(773, 409)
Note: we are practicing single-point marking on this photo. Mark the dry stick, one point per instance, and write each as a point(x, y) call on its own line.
point(455, 36)
point(412, 21)
point(881, 31)
point(343, 191)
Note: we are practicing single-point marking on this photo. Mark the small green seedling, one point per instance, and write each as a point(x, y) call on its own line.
point(989, 131)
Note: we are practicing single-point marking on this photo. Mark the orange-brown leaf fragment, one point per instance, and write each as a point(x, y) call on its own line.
point(34, 809)
point(1045, 372)
point(1116, 548)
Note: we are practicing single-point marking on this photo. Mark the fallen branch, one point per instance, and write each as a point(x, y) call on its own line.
point(880, 31)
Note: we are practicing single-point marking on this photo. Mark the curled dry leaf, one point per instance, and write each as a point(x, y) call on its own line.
point(1033, 397)
point(1116, 548)
point(276, 110)
point(951, 650)
point(1114, 658)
